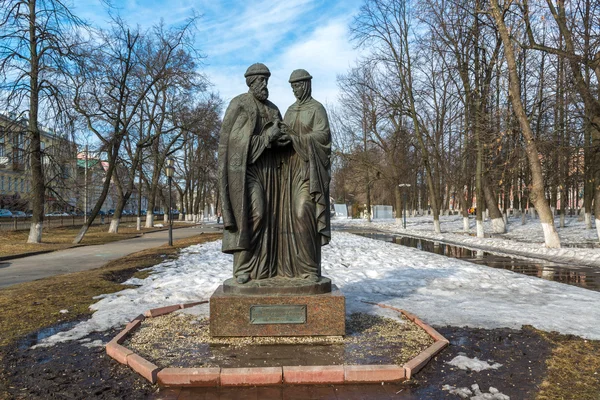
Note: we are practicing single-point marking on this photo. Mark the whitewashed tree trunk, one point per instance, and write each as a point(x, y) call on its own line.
point(466, 224)
point(436, 226)
point(588, 220)
point(498, 225)
point(138, 224)
point(35, 232)
point(598, 228)
point(523, 218)
point(505, 217)
point(180, 218)
point(149, 220)
point(550, 236)
point(114, 225)
point(562, 220)
point(81, 234)
point(166, 218)
point(480, 232)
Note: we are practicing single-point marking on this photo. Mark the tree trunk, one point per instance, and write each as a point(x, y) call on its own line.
point(37, 175)
point(551, 238)
point(498, 224)
point(116, 218)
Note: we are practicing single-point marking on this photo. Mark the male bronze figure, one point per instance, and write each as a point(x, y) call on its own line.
point(249, 184)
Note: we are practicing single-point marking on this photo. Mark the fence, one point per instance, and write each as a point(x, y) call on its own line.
point(17, 224)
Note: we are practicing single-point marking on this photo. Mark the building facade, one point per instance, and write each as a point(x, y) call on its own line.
point(58, 163)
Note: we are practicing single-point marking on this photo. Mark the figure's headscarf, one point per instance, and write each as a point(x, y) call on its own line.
point(302, 75)
point(306, 92)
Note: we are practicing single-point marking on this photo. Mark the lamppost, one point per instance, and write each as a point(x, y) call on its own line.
point(170, 170)
point(404, 185)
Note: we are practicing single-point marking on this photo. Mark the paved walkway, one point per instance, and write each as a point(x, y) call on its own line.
point(87, 257)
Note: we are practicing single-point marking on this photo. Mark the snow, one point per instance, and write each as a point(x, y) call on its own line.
point(475, 393)
point(463, 362)
point(440, 290)
point(521, 240)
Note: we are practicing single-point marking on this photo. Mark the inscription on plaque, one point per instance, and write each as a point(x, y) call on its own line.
point(282, 314)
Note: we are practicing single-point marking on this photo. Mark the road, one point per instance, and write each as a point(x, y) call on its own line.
point(87, 257)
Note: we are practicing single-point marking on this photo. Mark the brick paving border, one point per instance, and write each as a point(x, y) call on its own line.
point(258, 376)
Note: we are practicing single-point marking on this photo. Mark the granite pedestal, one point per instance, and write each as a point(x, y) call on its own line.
point(269, 309)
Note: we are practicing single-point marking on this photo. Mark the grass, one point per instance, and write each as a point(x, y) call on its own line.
point(14, 243)
point(573, 369)
point(27, 307)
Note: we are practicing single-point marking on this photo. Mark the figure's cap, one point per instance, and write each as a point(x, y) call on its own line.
point(299, 75)
point(257, 69)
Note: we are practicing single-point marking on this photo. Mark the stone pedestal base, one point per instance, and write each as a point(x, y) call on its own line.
point(277, 315)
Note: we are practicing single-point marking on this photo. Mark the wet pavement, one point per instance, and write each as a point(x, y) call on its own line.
point(581, 276)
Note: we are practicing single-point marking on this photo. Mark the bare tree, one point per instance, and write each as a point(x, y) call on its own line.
point(114, 79)
point(537, 186)
point(36, 45)
point(583, 57)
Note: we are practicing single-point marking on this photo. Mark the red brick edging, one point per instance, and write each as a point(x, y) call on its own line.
point(290, 375)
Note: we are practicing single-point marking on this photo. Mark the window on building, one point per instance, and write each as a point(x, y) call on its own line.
point(2, 150)
point(22, 185)
point(9, 183)
point(19, 140)
point(2, 183)
point(42, 145)
point(18, 156)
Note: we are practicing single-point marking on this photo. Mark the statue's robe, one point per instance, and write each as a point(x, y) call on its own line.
point(304, 216)
point(249, 186)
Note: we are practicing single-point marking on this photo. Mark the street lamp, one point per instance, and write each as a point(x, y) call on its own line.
point(404, 185)
point(170, 170)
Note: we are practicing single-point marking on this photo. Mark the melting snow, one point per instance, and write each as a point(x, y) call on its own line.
point(463, 362)
point(440, 290)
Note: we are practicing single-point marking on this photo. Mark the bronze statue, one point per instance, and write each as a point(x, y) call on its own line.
point(249, 184)
point(274, 181)
point(304, 221)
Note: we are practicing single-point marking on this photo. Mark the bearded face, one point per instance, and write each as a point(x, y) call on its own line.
point(259, 89)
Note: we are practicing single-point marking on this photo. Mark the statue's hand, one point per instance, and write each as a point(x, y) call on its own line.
point(283, 140)
point(286, 129)
point(274, 132)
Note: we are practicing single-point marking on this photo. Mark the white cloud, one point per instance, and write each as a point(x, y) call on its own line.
point(325, 54)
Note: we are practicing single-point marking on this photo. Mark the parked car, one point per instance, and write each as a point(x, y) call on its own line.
point(4, 213)
point(18, 214)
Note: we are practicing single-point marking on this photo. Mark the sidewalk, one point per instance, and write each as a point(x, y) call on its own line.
point(87, 257)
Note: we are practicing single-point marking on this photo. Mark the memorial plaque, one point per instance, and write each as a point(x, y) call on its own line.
point(280, 314)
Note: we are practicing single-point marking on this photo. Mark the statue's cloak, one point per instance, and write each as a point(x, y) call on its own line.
point(242, 121)
point(312, 144)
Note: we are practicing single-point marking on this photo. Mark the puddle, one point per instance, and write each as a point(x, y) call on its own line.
point(585, 277)
point(34, 338)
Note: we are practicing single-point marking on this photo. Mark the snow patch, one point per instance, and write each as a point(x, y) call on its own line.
point(474, 364)
point(95, 343)
point(475, 393)
point(440, 290)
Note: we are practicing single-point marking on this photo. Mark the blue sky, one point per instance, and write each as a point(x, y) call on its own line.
point(285, 35)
